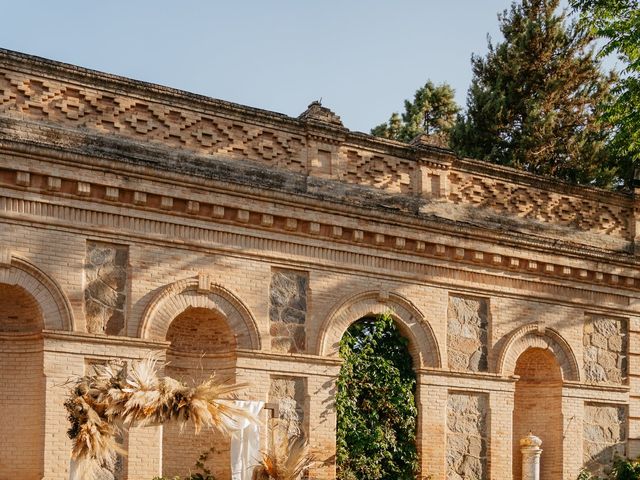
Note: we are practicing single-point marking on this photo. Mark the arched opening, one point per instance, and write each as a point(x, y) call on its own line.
point(538, 409)
point(375, 403)
point(201, 343)
point(19, 311)
point(22, 384)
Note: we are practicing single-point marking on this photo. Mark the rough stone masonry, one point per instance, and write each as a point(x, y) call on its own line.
point(136, 218)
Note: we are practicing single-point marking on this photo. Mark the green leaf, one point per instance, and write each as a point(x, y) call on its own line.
point(375, 403)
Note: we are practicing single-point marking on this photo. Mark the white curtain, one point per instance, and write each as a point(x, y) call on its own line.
point(245, 441)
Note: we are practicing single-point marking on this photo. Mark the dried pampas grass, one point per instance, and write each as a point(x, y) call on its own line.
point(120, 395)
point(286, 459)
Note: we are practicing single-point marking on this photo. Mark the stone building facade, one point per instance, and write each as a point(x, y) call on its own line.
point(135, 218)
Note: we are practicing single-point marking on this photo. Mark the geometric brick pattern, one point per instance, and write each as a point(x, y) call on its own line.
point(537, 204)
point(110, 113)
point(106, 112)
point(392, 174)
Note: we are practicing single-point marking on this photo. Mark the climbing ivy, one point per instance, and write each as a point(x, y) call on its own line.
point(375, 404)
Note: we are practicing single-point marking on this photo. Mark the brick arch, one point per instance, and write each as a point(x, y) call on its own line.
point(422, 342)
point(54, 305)
point(537, 336)
point(177, 297)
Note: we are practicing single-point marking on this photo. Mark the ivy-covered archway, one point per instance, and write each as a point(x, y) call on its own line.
point(375, 403)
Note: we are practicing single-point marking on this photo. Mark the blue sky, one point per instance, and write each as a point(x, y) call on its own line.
point(363, 58)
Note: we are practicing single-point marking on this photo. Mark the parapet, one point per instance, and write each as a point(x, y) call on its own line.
point(68, 108)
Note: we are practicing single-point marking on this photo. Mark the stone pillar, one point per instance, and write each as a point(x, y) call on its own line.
point(530, 448)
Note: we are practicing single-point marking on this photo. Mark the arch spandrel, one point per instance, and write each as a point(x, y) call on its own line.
point(174, 299)
point(534, 335)
point(53, 304)
point(422, 342)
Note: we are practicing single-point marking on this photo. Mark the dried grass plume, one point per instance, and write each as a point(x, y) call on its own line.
point(118, 395)
point(287, 458)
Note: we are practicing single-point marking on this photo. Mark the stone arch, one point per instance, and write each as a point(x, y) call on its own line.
point(198, 292)
point(537, 408)
point(54, 305)
point(201, 330)
point(535, 335)
point(422, 342)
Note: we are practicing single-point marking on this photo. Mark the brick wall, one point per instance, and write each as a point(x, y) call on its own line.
point(23, 405)
point(252, 252)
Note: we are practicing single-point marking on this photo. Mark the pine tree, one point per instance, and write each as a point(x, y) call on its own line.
point(432, 113)
point(618, 23)
point(533, 99)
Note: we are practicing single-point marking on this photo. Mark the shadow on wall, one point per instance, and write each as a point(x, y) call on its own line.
point(22, 387)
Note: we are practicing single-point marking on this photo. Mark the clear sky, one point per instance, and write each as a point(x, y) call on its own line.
point(362, 57)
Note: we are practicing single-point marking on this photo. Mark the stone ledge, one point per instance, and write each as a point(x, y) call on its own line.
point(284, 223)
point(438, 270)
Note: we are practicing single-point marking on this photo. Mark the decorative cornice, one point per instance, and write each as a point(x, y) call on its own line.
point(201, 232)
point(301, 225)
point(73, 98)
point(350, 200)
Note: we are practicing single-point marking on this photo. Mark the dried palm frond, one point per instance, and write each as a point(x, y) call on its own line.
point(120, 394)
point(286, 459)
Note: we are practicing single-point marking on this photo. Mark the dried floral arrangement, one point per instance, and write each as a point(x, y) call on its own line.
point(286, 459)
point(288, 456)
point(120, 395)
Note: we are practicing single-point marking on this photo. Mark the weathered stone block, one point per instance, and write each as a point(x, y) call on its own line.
point(467, 333)
point(288, 393)
point(105, 287)
point(604, 435)
point(605, 352)
point(288, 310)
point(466, 436)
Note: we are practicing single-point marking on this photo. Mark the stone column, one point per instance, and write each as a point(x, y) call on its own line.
point(530, 448)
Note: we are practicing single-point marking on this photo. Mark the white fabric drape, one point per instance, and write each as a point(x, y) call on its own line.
point(245, 441)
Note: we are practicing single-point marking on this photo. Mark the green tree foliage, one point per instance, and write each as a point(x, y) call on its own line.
point(618, 23)
point(622, 469)
point(432, 112)
point(533, 99)
point(375, 404)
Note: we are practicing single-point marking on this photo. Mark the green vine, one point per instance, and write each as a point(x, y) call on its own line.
point(375, 404)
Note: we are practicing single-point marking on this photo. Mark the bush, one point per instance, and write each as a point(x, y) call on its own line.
point(621, 469)
point(375, 404)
